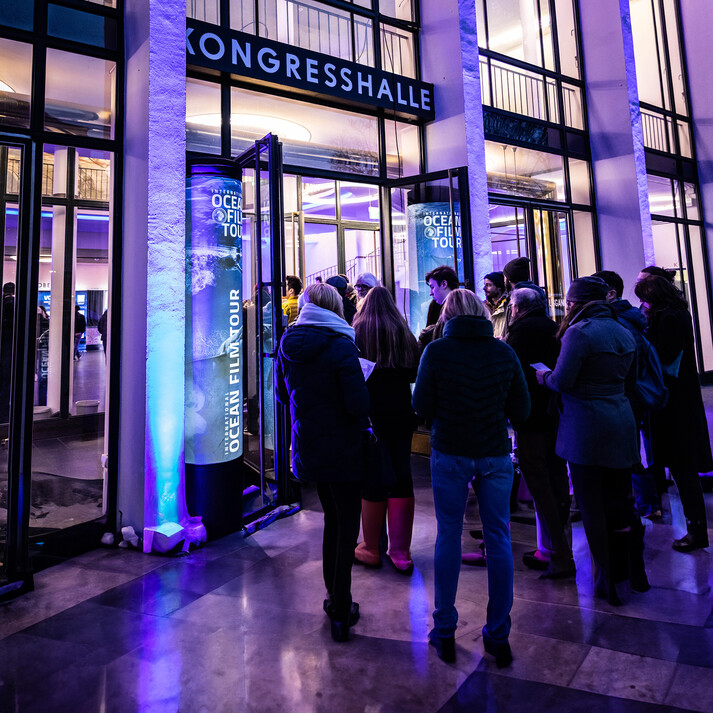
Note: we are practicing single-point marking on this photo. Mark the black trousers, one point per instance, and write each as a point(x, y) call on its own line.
point(614, 531)
point(341, 503)
point(545, 475)
point(694, 507)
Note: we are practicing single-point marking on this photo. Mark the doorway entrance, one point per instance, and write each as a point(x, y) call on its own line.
point(542, 233)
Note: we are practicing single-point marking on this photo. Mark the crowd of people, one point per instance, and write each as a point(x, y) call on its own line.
point(495, 380)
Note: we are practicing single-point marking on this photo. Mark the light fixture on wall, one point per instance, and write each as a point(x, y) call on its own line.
point(5, 87)
point(258, 124)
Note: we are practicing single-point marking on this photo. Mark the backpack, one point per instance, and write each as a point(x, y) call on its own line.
point(650, 391)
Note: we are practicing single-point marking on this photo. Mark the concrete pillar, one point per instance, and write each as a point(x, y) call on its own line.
point(151, 468)
point(449, 59)
point(616, 139)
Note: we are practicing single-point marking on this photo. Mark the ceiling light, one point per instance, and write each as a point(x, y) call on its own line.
point(258, 124)
point(5, 87)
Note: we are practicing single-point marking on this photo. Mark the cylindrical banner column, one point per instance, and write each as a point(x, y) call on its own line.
point(214, 334)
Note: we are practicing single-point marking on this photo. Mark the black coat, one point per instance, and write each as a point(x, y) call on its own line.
point(679, 432)
point(469, 384)
point(595, 368)
point(532, 338)
point(390, 397)
point(319, 375)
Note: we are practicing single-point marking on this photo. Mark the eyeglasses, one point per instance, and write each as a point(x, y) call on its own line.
point(361, 287)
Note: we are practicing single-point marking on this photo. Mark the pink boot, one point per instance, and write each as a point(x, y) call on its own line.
point(372, 522)
point(400, 520)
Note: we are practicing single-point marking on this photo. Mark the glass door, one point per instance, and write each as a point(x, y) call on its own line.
point(430, 226)
point(265, 451)
point(540, 233)
point(17, 351)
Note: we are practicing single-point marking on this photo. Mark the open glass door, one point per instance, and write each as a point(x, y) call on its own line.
point(17, 352)
point(430, 226)
point(265, 452)
point(542, 234)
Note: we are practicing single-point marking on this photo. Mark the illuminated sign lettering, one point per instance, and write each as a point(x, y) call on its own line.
point(263, 61)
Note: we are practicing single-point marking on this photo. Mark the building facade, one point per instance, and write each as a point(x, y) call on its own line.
point(401, 135)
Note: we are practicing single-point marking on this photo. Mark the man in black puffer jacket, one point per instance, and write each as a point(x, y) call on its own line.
point(532, 335)
point(469, 384)
point(320, 377)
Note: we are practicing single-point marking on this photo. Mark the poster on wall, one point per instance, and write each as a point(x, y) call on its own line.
point(214, 315)
point(431, 229)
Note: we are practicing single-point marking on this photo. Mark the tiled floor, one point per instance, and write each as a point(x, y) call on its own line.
point(238, 626)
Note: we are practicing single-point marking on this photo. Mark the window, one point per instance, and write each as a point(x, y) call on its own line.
point(74, 107)
point(660, 76)
point(15, 82)
point(312, 135)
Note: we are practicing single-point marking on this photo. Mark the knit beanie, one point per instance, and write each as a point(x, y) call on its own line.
point(497, 278)
point(518, 270)
point(587, 289)
point(339, 284)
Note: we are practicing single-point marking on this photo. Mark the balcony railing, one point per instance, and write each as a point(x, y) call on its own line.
point(657, 131)
point(526, 93)
point(93, 184)
point(297, 23)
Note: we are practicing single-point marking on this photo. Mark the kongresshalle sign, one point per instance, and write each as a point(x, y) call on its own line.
point(260, 60)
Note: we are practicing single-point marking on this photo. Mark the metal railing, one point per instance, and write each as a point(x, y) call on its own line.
point(656, 130)
point(525, 93)
point(297, 23)
point(397, 52)
point(93, 183)
point(353, 268)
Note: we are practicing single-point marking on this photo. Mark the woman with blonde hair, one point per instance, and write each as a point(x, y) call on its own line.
point(468, 385)
point(321, 379)
point(383, 337)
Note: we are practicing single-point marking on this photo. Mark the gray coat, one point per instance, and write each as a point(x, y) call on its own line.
point(596, 424)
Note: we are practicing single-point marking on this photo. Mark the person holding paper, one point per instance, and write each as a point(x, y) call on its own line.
point(597, 434)
point(532, 336)
point(384, 339)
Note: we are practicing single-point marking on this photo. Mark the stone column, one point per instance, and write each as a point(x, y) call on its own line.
point(151, 467)
point(616, 139)
point(449, 59)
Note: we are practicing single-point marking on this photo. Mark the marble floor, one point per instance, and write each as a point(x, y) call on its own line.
point(237, 626)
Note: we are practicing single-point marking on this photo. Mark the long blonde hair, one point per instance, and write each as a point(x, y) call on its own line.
point(381, 332)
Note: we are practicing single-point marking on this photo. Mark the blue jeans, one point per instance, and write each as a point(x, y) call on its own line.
point(492, 480)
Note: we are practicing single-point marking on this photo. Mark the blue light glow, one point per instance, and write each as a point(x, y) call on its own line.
point(80, 216)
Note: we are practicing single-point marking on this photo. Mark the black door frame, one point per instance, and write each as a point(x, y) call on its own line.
point(387, 253)
point(529, 206)
point(266, 155)
point(17, 575)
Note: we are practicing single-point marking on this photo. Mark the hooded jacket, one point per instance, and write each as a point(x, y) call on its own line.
point(469, 384)
point(319, 375)
point(595, 366)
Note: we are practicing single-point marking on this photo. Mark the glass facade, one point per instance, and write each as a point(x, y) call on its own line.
point(314, 136)
point(74, 126)
point(678, 233)
point(536, 147)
